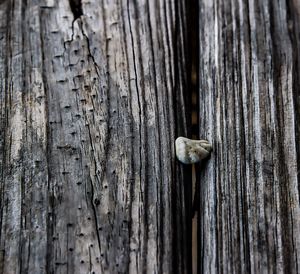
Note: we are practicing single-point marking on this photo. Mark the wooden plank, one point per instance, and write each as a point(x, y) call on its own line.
point(249, 218)
point(89, 112)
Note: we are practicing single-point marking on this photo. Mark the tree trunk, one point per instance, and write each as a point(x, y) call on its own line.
point(92, 97)
point(249, 79)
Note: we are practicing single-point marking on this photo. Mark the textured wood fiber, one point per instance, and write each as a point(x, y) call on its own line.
point(249, 109)
point(89, 112)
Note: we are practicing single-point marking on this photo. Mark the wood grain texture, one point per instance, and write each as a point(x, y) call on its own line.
point(249, 101)
point(90, 109)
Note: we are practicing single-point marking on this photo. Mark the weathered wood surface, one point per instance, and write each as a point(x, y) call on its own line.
point(249, 109)
point(89, 112)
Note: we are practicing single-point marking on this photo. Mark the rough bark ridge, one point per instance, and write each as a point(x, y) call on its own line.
point(89, 182)
point(249, 109)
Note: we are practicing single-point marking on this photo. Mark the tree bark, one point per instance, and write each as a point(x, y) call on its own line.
point(92, 97)
point(249, 99)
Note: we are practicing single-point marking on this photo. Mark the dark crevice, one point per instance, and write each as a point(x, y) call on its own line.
point(186, 53)
point(97, 69)
point(194, 83)
point(90, 55)
point(76, 8)
point(192, 204)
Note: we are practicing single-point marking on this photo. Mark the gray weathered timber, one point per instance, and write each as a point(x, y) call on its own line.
point(89, 111)
point(249, 101)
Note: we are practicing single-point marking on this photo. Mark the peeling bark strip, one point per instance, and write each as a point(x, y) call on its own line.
point(249, 109)
point(89, 181)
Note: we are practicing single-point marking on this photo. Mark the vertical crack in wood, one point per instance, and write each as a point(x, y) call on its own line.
point(97, 69)
point(192, 191)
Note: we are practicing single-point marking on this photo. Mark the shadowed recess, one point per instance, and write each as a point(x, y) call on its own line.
point(76, 8)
